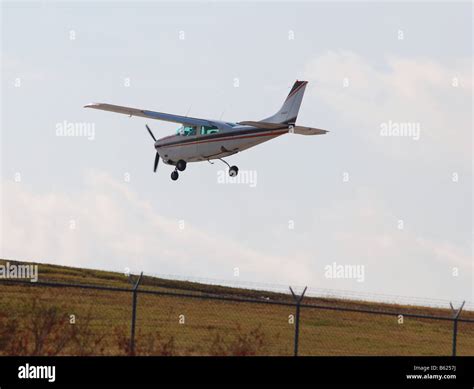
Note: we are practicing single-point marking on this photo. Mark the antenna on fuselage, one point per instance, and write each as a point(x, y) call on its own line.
point(189, 109)
point(222, 114)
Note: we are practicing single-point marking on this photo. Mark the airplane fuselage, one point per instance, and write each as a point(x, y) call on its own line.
point(227, 140)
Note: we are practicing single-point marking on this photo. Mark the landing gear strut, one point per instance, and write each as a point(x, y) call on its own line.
point(233, 170)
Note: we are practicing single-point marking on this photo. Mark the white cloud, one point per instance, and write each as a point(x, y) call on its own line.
point(115, 228)
point(400, 90)
point(447, 252)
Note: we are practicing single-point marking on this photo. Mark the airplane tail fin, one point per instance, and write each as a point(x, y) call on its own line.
point(289, 111)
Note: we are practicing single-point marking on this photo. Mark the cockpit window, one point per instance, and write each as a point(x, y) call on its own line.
point(206, 130)
point(186, 131)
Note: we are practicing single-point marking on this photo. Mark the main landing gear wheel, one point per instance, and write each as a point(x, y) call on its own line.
point(233, 171)
point(174, 175)
point(181, 165)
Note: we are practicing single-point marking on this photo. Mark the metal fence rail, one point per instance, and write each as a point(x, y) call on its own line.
point(315, 326)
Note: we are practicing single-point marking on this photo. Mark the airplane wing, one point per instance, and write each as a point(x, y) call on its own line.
point(151, 114)
point(277, 126)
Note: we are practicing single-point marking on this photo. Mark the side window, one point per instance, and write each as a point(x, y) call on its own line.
point(186, 131)
point(206, 130)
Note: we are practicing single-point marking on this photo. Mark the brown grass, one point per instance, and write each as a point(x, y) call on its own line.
point(35, 320)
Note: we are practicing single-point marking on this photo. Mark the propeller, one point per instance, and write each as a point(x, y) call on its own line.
point(157, 159)
point(157, 156)
point(151, 133)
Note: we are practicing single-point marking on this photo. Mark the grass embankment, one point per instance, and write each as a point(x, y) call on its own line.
point(46, 320)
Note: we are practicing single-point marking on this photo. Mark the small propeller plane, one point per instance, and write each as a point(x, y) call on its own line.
point(205, 140)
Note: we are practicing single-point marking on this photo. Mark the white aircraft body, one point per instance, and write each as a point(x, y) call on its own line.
point(204, 139)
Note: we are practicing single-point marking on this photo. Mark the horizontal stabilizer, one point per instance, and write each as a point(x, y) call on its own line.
point(308, 131)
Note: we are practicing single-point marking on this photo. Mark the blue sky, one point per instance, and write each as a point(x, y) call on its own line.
point(361, 75)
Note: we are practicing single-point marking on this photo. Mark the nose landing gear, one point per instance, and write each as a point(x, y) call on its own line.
point(181, 166)
point(174, 175)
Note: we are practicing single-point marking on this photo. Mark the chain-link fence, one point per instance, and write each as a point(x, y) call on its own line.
point(46, 318)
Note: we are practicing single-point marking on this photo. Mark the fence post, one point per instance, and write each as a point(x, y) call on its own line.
point(455, 324)
point(134, 312)
point(297, 321)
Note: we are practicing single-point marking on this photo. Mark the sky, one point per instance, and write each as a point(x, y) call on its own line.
point(394, 207)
